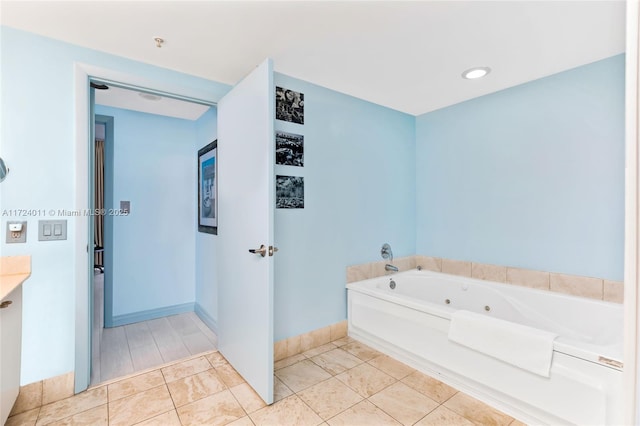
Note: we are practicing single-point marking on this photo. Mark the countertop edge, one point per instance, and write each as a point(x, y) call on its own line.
point(15, 270)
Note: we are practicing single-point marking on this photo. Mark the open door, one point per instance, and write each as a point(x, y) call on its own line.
point(245, 222)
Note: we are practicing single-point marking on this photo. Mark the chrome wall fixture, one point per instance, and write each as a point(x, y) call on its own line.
point(4, 170)
point(386, 252)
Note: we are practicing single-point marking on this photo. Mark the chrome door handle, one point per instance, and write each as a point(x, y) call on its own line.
point(262, 251)
point(272, 250)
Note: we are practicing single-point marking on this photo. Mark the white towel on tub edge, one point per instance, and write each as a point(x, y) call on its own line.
point(525, 347)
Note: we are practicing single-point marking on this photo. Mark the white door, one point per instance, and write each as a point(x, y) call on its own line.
point(245, 221)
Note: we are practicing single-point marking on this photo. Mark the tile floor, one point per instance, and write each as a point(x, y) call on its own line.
point(136, 347)
point(124, 350)
point(340, 383)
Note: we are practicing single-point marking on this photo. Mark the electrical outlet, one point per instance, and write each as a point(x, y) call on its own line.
point(16, 232)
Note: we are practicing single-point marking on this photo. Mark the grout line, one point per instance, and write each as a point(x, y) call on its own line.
point(150, 369)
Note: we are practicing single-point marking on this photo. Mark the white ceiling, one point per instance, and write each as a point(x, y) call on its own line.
point(131, 99)
point(404, 55)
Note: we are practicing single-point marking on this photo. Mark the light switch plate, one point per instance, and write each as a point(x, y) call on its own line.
point(21, 236)
point(52, 230)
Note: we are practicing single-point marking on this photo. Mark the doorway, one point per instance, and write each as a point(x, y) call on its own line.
point(142, 330)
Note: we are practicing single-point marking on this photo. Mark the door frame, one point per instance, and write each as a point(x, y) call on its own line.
point(83, 241)
point(107, 255)
point(632, 216)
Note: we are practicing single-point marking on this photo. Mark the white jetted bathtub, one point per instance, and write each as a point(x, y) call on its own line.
point(543, 357)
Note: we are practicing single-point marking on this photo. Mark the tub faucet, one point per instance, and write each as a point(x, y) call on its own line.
point(388, 267)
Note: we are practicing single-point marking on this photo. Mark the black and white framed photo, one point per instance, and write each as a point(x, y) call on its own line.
point(289, 105)
point(289, 192)
point(208, 188)
point(289, 149)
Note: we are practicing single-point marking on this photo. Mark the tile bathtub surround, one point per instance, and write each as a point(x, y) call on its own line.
point(613, 291)
point(575, 285)
point(376, 269)
point(484, 271)
point(429, 263)
point(456, 267)
point(528, 278)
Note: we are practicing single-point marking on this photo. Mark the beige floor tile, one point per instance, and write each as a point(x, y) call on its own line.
point(167, 419)
point(216, 359)
point(336, 361)
point(442, 416)
point(71, 406)
point(364, 413)
point(288, 361)
point(403, 403)
point(392, 367)
point(476, 411)
point(247, 397)
point(218, 409)
point(135, 385)
point(280, 390)
point(366, 380)
point(319, 350)
point(244, 421)
point(429, 386)
point(302, 375)
point(290, 411)
point(329, 398)
point(26, 418)
point(343, 341)
point(361, 350)
point(98, 416)
point(229, 375)
point(30, 397)
point(192, 388)
point(140, 406)
point(184, 369)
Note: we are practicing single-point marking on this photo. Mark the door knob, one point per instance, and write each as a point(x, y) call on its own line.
point(262, 251)
point(272, 250)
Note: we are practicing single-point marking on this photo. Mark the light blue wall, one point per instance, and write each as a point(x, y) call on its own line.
point(154, 246)
point(206, 244)
point(531, 176)
point(37, 140)
point(359, 184)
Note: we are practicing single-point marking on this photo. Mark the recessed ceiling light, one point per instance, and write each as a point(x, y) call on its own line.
point(149, 96)
point(476, 72)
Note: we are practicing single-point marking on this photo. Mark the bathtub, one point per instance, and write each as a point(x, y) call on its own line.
point(411, 322)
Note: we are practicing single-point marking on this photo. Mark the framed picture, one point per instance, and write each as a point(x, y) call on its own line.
point(289, 105)
point(208, 188)
point(289, 192)
point(289, 149)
